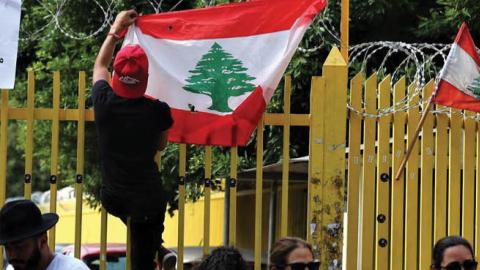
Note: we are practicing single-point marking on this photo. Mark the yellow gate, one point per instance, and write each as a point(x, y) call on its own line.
point(394, 224)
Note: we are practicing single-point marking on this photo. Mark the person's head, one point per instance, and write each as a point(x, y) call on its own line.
point(291, 253)
point(223, 258)
point(453, 253)
point(130, 74)
point(23, 233)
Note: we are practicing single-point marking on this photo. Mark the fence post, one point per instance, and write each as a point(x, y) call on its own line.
point(3, 153)
point(327, 161)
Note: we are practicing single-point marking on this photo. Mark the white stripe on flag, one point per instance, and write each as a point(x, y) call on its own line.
point(460, 69)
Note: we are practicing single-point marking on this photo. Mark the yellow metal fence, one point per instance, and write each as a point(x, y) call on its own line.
point(394, 224)
point(327, 121)
point(391, 224)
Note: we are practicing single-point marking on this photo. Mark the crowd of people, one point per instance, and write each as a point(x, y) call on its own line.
point(23, 233)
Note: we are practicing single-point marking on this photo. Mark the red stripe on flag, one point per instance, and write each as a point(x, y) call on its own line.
point(449, 95)
point(465, 40)
point(211, 129)
point(230, 20)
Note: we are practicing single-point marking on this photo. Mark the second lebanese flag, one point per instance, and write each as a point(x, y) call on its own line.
point(218, 67)
point(459, 84)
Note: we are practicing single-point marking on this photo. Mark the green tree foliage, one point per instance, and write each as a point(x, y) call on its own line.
point(444, 19)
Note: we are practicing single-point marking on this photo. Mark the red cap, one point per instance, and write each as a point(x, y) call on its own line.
point(130, 74)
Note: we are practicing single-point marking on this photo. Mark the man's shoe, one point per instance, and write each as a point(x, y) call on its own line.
point(168, 258)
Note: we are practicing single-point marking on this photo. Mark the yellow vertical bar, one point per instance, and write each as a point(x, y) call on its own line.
point(3, 151)
point(368, 186)
point(158, 160)
point(333, 179)
point(440, 196)
point(383, 179)
point(411, 179)
point(233, 196)
point(426, 185)
point(477, 195)
point(315, 165)
point(103, 238)
point(344, 28)
point(286, 155)
point(29, 138)
point(468, 201)
point(206, 211)
point(80, 163)
point(258, 197)
point(181, 203)
point(454, 188)
point(354, 169)
point(128, 265)
point(54, 153)
point(398, 186)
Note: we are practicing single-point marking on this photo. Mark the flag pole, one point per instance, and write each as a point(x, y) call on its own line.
point(414, 139)
point(344, 29)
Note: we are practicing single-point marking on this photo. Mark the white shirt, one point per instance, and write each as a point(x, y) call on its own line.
point(63, 262)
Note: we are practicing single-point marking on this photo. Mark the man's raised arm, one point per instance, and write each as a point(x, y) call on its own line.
point(123, 20)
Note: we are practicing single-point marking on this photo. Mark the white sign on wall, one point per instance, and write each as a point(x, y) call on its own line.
point(9, 29)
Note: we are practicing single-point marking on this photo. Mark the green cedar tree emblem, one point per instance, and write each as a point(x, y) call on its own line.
point(220, 76)
point(474, 87)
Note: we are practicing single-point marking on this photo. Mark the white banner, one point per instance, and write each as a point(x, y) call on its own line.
point(10, 25)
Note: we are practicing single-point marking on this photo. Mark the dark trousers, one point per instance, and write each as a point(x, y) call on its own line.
point(145, 239)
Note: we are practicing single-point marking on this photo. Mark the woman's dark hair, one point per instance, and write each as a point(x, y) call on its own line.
point(447, 242)
point(223, 258)
point(283, 247)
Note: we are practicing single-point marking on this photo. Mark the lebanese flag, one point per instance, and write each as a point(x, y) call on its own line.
point(459, 84)
point(218, 67)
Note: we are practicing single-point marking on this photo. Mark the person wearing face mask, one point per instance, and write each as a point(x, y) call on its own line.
point(291, 253)
point(453, 253)
point(23, 233)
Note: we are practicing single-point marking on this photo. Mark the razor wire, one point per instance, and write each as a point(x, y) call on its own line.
point(52, 21)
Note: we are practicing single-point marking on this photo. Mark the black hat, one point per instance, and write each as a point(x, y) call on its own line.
point(22, 219)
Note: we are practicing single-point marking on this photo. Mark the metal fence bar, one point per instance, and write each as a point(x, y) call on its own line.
point(287, 89)
point(232, 238)
point(454, 187)
point(354, 172)
point(3, 150)
point(29, 136)
point(80, 164)
point(468, 183)
point(207, 199)
point(368, 178)
point(383, 179)
point(441, 158)
point(103, 238)
point(259, 198)
point(476, 243)
point(426, 186)
point(398, 186)
point(411, 188)
point(54, 154)
point(182, 158)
